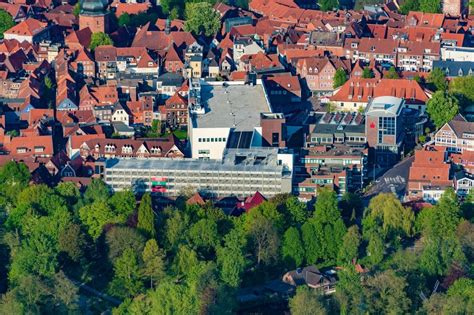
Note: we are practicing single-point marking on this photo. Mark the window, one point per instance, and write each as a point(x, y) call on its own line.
point(275, 139)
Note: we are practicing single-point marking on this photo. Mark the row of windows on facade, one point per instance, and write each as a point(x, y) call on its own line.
point(127, 149)
point(24, 150)
point(212, 139)
point(338, 139)
point(329, 161)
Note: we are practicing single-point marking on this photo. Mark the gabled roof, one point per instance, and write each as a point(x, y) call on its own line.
point(172, 54)
point(31, 145)
point(176, 99)
point(156, 40)
point(28, 27)
point(196, 199)
point(461, 127)
point(360, 90)
point(81, 37)
point(164, 144)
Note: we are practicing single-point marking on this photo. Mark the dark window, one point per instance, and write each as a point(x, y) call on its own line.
point(275, 139)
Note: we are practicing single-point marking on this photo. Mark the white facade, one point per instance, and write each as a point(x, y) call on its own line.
point(457, 53)
point(120, 115)
point(209, 143)
point(218, 111)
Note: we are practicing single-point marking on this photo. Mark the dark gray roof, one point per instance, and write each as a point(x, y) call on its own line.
point(455, 68)
point(461, 126)
point(170, 79)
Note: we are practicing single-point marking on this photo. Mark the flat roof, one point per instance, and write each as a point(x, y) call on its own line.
point(235, 160)
point(384, 105)
point(231, 105)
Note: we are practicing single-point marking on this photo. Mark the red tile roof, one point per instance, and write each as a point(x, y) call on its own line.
point(28, 27)
point(360, 90)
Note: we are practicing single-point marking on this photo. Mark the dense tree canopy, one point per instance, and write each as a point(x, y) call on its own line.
point(6, 22)
point(100, 39)
point(339, 78)
point(201, 18)
point(442, 107)
point(190, 259)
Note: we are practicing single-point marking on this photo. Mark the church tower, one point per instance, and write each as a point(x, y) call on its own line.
point(94, 15)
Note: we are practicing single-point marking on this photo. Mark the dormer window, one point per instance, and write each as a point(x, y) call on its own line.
point(460, 73)
point(127, 149)
point(110, 148)
point(21, 150)
point(39, 149)
point(155, 150)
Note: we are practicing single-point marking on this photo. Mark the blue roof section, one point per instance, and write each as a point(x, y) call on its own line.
point(67, 104)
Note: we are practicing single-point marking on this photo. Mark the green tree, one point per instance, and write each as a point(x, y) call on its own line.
point(339, 78)
point(123, 204)
point(389, 216)
point(127, 278)
point(68, 191)
point(95, 216)
point(463, 89)
point(441, 246)
point(264, 240)
point(310, 242)
point(120, 238)
point(292, 249)
point(375, 248)
point(201, 18)
point(175, 229)
point(153, 261)
point(65, 292)
point(231, 258)
point(327, 5)
point(124, 19)
point(96, 190)
point(14, 178)
point(437, 80)
point(296, 211)
point(408, 6)
point(185, 259)
point(349, 293)
point(72, 241)
point(146, 216)
point(6, 22)
point(350, 246)
point(392, 73)
point(328, 225)
point(307, 301)
point(386, 291)
point(430, 6)
point(367, 73)
point(203, 234)
point(442, 107)
point(99, 39)
point(77, 9)
point(10, 304)
point(49, 91)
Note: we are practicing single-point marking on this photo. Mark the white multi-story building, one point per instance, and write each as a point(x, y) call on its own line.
point(457, 53)
point(225, 115)
point(241, 173)
point(456, 135)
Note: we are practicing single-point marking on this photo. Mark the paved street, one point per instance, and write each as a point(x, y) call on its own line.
point(394, 180)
